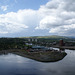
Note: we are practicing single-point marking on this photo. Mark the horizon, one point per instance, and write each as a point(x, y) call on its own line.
point(23, 18)
point(41, 36)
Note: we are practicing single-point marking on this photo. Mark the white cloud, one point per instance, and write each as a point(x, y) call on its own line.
point(64, 30)
point(4, 8)
point(57, 16)
point(17, 21)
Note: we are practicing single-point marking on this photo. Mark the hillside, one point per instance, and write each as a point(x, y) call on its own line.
point(52, 36)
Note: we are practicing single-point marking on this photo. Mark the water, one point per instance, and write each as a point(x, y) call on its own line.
point(12, 64)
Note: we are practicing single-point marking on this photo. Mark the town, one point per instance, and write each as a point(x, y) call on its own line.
point(32, 48)
point(37, 44)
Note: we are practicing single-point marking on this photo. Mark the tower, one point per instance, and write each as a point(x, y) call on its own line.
point(61, 43)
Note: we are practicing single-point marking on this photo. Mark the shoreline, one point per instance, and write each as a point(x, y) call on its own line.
point(50, 56)
point(65, 47)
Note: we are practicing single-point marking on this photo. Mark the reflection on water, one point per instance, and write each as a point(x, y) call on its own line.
point(12, 64)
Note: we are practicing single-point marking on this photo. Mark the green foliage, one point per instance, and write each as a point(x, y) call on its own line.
point(11, 43)
point(19, 43)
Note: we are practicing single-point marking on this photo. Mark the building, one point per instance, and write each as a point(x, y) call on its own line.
point(32, 39)
point(61, 43)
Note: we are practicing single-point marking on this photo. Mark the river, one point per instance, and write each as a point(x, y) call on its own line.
point(12, 64)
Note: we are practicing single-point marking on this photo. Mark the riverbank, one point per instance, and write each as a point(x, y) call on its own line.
point(65, 47)
point(49, 56)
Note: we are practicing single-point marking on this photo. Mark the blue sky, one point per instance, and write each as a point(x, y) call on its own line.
point(19, 18)
point(15, 5)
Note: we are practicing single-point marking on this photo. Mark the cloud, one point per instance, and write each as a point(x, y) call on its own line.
point(56, 16)
point(4, 8)
point(16, 1)
point(59, 17)
point(15, 22)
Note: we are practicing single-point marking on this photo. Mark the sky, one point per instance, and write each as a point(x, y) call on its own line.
point(20, 18)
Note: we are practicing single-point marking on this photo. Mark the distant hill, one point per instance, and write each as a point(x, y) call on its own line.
point(52, 36)
point(71, 37)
